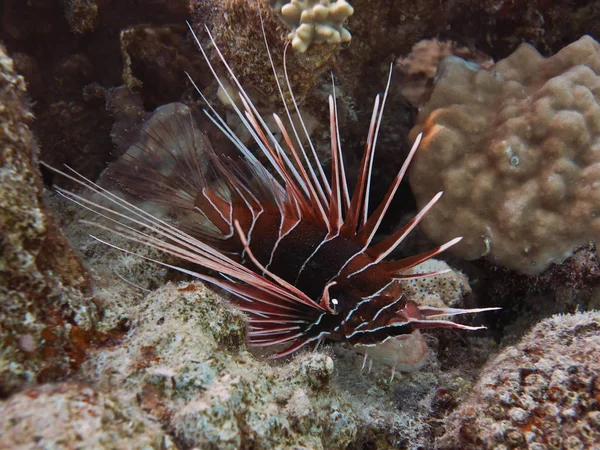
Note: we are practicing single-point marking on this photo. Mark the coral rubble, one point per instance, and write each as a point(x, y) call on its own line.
point(514, 149)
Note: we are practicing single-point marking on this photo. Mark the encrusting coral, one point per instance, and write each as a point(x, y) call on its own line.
point(515, 151)
point(543, 393)
point(82, 15)
point(314, 21)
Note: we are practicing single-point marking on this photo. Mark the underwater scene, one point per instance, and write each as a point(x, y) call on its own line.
point(300, 224)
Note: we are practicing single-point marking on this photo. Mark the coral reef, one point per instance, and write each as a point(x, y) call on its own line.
point(514, 149)
point(186, 360)
point(314, 21)
point(73, 121)
point(72, 118)
point(542, 393)
point(236, 26)
point(69, 52)
point(47, 315)
point(71, 414)
point(94, 69)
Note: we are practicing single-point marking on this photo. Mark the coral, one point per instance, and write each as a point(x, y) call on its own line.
point(72, 415)
point(186, 360)
point(447, 289)
point(47, 315)
point(543, 393)
point(237, 28)
point(69, 53)
point(418, 68)
point(314, 21)
point(514, 150)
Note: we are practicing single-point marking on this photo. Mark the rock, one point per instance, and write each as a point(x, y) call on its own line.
point(72, 415)
point(541, 393)
point(47, 314)
point(186, 360)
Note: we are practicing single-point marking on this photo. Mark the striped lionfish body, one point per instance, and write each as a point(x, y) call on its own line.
point(293, 248)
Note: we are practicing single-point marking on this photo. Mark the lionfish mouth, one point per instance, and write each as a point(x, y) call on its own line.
point(293, 248)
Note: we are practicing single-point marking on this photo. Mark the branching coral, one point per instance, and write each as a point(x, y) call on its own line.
point(314, 21)
point(516, 151)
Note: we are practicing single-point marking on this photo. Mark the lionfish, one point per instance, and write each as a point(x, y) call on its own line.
point(293, 248)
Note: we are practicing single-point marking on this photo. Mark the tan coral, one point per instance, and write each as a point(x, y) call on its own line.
point(314, 21)
point(516, 150)
point(418, 68)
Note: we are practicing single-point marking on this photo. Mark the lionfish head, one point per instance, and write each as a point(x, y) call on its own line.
point(294, 249)
point(382, 324)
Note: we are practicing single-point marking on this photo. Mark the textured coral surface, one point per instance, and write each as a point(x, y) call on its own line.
point(170, 360)
point(72, 415)
point(46, 313)
point(515, 151)
point(543, 393)
point(186, 361)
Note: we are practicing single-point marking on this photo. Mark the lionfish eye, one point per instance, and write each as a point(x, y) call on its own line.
point(334, 305)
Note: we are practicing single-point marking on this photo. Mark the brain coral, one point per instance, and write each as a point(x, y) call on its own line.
point(543, 393)
point(314, 20)
point(516, 150)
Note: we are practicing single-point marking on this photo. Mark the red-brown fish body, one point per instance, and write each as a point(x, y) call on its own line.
point(294, 249)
